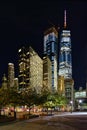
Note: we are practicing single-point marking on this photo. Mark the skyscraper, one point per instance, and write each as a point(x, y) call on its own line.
point(11, 75)
point(50, 49)
point(65, 60)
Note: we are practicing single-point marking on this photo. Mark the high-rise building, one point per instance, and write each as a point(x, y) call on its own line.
point(65, 59)
point(30, 69)
point(11, 75)
point(50, 49)
point(34, 70)
point(22, 68)
point(47, 74)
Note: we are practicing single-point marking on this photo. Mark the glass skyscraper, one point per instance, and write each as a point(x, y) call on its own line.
point(50, 49)
point(65, 60)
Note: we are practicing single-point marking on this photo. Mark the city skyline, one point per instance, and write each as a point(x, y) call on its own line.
point(25, 25)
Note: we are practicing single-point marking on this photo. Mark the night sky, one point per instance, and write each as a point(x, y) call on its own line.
point(24, 24)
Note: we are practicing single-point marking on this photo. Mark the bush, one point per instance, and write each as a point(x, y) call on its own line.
point(6, 119)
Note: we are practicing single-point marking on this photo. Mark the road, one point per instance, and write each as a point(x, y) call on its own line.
point(64, 121)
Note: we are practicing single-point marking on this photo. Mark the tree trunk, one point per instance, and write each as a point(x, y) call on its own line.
point(14, 113)
point(47, 110)
point(51, 111)
point(0, 112)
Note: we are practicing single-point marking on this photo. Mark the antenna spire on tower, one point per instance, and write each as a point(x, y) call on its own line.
point(64, 18)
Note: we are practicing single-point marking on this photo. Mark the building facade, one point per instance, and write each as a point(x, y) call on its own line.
point(34, 70)
point(22, 68)
point(69, 89)
point(61, 88)
point(47, 74)
point(65, 58)
point(81, 99)
point(50, 49)
point(30, 69)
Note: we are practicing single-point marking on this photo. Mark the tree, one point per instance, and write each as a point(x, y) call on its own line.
point(60, 100)
point(4, 99)
point(50, 102)
point(55, 100)
point(15, 98)
point(29, 98)
point(43, 95)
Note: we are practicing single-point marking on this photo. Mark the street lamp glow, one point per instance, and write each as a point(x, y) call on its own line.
point(80, 101)
point(71, 102)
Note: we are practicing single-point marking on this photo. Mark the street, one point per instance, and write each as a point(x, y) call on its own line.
point(63, 121)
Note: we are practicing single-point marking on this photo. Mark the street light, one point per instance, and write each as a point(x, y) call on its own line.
point(80, 102)
point(71, 102)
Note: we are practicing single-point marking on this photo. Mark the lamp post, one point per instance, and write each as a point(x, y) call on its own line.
point(72, 97)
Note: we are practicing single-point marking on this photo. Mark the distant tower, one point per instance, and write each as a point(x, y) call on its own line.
point(65, 60)
point(4, 82)
point(16, 85)
point(11, 75)
point(50, 49)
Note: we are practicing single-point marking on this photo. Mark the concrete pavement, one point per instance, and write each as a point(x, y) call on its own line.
point(64, 121)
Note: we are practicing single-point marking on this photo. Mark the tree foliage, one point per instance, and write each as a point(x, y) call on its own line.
point(29, 98)
point(4, 98)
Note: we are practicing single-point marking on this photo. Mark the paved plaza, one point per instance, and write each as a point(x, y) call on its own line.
point(66, 121)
